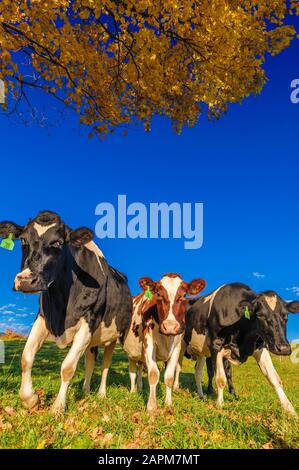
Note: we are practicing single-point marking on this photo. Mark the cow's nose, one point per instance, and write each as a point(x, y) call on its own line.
point(170, 327)
point(25, 281)
point(284, 349)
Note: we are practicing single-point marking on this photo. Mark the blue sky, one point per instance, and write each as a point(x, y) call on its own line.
point(244, 168)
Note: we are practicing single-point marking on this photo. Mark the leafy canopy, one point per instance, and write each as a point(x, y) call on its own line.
point(115, 61)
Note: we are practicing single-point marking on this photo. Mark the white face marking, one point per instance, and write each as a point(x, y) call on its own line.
point(42, 229)
point(171, 284)
point(271, 301)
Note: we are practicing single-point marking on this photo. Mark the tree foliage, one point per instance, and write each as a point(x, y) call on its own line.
point(117, 60)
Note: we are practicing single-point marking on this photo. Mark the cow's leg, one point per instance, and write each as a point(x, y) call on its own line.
point(178, 369)
point(265, 363)
point(152, 370)
point(34, 342)
point(107, 358)
point(90, 359)
point(133, 374)
point(69, 365)
point(211, 373)
point(139, 376)
point(229, 376)
point(169, 373)
point(198, 375)
point(220, 378)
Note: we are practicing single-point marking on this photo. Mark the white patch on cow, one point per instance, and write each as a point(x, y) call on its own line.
point(42, 229)
point(105, 335)
point(211, 298)
point(165, 344)
point(91, 246)
point(171, 284)
point(132, 343)
point(207, 298)
point(64, 340)
point(25, 274)
point(198, 345)
point(271, 301)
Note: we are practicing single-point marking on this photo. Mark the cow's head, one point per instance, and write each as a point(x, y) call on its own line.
point(168, 295)
point(44, 241)
point(272, 315)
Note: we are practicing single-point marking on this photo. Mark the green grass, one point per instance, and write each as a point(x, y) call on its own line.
point(120, 420)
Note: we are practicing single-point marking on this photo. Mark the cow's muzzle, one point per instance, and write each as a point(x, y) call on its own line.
point(170, 328)
point(26, 282)
point(281, 350)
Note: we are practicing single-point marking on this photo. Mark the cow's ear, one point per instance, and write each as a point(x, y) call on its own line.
point(195, 287)
point(7, 228)
point(80, 236)
point(147, 282)
point(293, 307)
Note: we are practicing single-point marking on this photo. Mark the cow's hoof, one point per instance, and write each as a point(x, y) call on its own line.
point(30, 402)
point(57, 409)
point(201, 396)
point(151, 408)
point(292, 412)
point(176, 388)
point(220, 404)
point(86, 391)
point(101, 395)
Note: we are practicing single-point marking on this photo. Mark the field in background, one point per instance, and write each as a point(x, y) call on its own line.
point(120, 420)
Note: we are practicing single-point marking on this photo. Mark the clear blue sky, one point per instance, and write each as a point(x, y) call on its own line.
point(244, 168)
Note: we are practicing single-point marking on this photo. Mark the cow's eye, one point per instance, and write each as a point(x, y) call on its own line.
point(57, 244)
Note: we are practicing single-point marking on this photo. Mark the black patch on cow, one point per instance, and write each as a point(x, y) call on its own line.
point(75, 282)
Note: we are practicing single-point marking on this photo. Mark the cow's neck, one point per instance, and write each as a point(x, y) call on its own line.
point(54, 301)
point(61, 305)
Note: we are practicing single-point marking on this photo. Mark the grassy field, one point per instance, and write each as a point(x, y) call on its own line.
point(120, 420)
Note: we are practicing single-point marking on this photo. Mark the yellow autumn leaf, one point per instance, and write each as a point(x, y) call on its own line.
point(133, 60)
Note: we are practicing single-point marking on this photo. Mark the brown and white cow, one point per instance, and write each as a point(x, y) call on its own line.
point(156, 330)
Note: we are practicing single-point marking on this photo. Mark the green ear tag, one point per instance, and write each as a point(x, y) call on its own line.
point(148, 294)
point(247, 313)
point(8, 243)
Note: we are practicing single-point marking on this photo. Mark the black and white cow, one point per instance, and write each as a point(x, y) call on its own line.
point(234, 322)
point(83, 301)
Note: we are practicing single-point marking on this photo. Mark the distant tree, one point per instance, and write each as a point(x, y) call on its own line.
point(115, 61)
